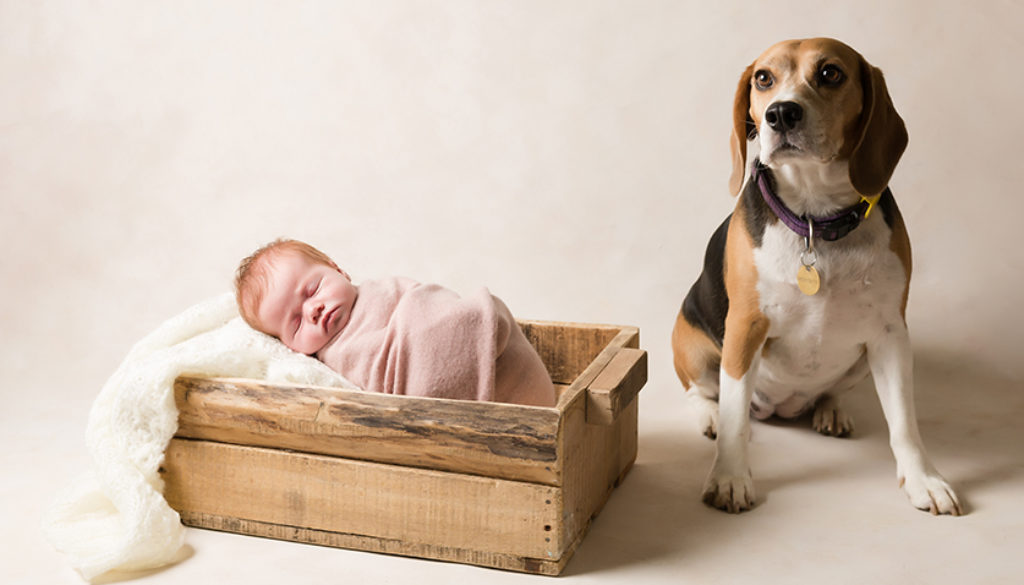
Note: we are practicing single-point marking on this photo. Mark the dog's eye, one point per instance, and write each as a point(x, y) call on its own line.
point(831, 75)
point(763, 79)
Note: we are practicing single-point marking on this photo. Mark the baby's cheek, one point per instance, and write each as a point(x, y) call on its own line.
point(296, 344)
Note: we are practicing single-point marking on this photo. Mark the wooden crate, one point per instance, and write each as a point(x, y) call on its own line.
point(498, 485)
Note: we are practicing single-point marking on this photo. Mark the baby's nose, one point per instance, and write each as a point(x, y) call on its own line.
point(315, 311)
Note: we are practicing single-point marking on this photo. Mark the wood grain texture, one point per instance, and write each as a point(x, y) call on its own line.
point(596, 458)
point(616, 386)
point(568, 348)
point(626, 337)
point(496, 560)
point(388, 502)
point(483, 438)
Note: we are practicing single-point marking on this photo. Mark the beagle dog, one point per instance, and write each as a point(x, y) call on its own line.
point(804, 286)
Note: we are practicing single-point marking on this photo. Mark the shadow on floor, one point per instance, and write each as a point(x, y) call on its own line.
point(969, 420)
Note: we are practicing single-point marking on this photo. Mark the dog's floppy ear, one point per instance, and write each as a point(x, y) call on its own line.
point(743, 129)
point(882, 139)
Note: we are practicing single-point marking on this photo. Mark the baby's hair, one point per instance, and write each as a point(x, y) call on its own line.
point(252, 274)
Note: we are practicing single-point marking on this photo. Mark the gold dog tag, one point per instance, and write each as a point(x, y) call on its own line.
point(808, 280)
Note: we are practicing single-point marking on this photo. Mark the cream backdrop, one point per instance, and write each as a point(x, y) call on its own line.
point(572, 156)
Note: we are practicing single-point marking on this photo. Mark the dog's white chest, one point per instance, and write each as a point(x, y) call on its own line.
point(815, 340)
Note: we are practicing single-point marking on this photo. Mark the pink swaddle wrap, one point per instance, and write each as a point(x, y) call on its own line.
point(417, 339)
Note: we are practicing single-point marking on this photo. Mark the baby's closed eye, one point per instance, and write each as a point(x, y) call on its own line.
point(314, 287)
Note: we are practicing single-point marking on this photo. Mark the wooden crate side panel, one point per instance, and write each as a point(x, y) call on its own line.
point(376, 544)
point(567, 348)
point(597, 458)
point(414, 506)
point(489, 439)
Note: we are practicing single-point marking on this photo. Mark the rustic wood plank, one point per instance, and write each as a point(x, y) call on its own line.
point(568, 348)
point(484, 438)
point(597, 458)
point(427, 510)
point(496, 560)
point(616, 386)
point(627, 337)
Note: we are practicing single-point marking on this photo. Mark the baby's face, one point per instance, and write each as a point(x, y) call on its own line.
point(306, 303)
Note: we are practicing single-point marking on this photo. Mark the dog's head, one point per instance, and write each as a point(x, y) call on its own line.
point(817, 101)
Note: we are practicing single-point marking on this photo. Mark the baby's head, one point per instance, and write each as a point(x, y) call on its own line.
point(296, 293)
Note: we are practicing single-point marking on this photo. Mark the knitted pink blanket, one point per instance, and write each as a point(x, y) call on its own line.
point(424, 340)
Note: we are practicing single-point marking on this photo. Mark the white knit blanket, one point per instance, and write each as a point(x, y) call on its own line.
point(115, 518)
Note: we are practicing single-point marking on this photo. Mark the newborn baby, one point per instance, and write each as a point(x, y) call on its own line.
point(393, 335)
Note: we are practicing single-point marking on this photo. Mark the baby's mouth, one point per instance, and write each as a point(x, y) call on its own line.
point(328, 318)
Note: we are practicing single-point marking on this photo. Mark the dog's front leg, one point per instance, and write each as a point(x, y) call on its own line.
point(891, 361)
point(730, 485)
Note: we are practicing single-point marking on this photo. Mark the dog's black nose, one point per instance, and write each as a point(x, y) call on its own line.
point(784, 116)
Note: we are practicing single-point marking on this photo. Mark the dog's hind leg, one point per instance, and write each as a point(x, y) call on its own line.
point(703, 400)
point(696, 358)
point(831, 419)
point(829, 416)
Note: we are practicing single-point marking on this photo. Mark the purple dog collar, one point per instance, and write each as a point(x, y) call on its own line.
point(829, 228)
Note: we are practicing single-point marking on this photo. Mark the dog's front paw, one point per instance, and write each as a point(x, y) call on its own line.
point(930, 492)
point(830, 419)
point(731, 493)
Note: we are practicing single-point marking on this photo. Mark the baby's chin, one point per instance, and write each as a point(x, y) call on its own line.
point(305, 350)
point(327, 344)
